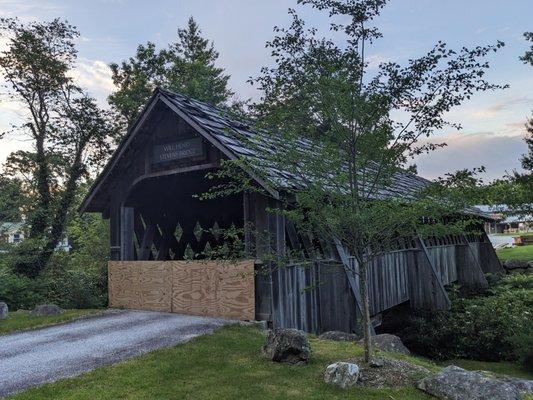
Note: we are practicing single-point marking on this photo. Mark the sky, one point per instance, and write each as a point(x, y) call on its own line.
point(493, 122)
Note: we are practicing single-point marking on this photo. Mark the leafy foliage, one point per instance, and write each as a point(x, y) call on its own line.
point(77, 279)
point(492, 327)
point(69, 133)
point(186, 66)
point(336, 131)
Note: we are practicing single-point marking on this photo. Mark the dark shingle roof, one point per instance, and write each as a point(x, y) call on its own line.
point(243, 141)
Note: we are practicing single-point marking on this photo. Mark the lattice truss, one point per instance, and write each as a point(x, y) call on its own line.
point(168, 238)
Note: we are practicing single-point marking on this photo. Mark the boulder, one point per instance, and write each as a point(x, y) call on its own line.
point(46, 309)
point(516, 264)
point(339, 336)
point(342, 374)
point(454, 383)
point(388, 342)
point(287, 346)
point(4, 311)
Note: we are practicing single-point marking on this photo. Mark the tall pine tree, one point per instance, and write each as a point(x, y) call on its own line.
point(186, 66)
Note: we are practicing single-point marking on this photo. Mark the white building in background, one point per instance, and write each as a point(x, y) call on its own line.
point(11, 232)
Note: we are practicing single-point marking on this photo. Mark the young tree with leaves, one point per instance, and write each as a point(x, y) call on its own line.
point(336, 136)
point(186, 66)
point(68, 130)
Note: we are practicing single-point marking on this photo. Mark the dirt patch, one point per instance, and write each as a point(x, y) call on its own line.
point(390, 374)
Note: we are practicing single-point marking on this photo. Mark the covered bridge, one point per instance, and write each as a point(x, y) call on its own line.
point(158, 227)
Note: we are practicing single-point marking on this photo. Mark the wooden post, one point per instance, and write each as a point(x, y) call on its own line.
point(114, 232)
point(469, 273)
point(426, 290)
point(126, 233)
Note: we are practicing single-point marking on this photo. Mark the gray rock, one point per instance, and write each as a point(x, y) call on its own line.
point(388, 342)
point(342, 374)
point(522, 385)
point(4, 311)
point(287, 346)
point(515, 264)
point(46, 309)
point(339, 336)
point(376, 362)
point(454, 383)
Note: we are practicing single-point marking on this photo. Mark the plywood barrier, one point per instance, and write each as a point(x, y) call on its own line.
point(208, 288)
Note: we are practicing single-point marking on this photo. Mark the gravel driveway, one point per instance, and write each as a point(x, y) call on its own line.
point(45, 355)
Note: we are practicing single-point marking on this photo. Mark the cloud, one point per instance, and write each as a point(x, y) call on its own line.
point(498, 107)
point(374, 60)
point(95, 76)
point(498, 153)
point(28, 10)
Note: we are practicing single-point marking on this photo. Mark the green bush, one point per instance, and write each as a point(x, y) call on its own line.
point(75, 279)
point(491, 327)
point(21, 292)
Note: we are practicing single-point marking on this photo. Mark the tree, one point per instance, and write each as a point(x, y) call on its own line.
point(35, 66)
point(187, 66)
point(527, 58)
point(513, 194)
point(68, 130)
point(335, 134)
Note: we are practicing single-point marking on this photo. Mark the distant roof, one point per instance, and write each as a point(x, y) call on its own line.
point(237, 139)
point(11, 226)
point(501, 213)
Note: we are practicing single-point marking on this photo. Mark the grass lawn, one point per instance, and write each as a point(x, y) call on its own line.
point(521, 253)
point(225, 365)
point(22, 320)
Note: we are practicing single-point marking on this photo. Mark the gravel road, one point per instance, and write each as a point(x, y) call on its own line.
point(45, 355)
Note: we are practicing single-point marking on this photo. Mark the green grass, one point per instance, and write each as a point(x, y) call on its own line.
point(22, 320)
point(225, 365)
point(228, 365)
point(520, 253)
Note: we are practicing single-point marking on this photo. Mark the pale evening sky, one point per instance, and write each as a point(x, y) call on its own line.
point(493, 122)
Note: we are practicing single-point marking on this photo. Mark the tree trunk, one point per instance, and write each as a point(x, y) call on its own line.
point(39, 220)
point(60, 218)
point(363, 268)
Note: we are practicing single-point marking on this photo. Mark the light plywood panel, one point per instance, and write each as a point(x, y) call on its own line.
point(235, 292)
point(208, 288)
point(155, 286)
point(124, 285)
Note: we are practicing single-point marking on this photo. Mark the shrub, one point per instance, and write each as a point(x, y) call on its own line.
point(21, 292)
point(492, 327)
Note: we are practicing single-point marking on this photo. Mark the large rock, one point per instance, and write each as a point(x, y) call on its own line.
point(516, 264)
point(342, 374)
point(340, 336)
point(388, 342)
point(287, 346)
point(454, 383)
point(46, 309)
point(4, 311)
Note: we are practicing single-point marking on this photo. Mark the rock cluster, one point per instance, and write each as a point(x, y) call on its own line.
point(342, 374)
point(388, 342)
point(512, 266)
point(454, 383)
point(289, 346)
point(45, 310)
point(4, 310)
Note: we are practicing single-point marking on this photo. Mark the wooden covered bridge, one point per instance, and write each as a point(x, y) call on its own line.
point(158, 227)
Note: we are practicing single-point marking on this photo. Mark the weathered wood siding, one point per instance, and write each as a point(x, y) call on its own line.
point(314, 298)
point(388, 280)
point(444, 259)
